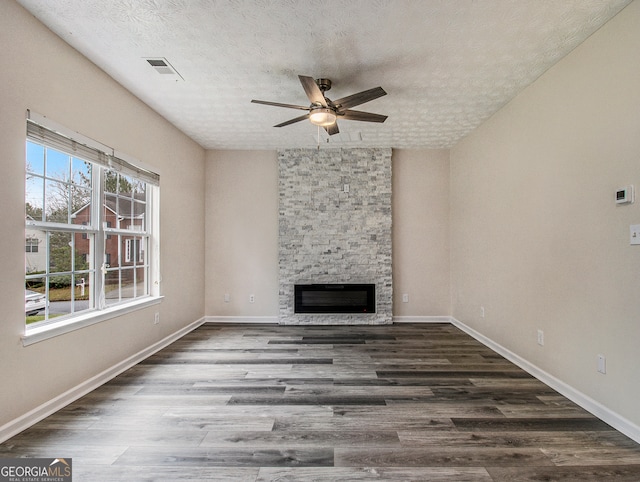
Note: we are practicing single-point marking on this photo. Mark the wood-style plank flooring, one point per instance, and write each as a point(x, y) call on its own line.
point(261, 402)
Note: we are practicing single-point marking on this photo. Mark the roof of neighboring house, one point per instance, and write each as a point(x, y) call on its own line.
point(121, 205)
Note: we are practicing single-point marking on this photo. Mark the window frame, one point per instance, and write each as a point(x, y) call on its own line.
point(105, 159)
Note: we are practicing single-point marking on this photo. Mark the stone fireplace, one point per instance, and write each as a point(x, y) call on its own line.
point(335, 228)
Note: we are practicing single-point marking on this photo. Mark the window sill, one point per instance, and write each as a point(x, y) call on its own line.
point(38, 334)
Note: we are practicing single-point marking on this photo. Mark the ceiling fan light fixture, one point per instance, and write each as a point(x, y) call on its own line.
point(322, 117)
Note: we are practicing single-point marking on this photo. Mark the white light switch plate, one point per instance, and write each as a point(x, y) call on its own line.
point(635, 234)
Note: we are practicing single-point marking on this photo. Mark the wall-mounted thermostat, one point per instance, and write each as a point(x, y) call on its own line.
point(624, 195)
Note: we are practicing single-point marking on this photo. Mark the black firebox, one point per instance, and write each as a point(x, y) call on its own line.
point(335, 298)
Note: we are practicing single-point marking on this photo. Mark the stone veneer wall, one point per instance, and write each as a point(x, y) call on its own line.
point(327, 235)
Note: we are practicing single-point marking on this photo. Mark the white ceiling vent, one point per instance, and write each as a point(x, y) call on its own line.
point(163, 67)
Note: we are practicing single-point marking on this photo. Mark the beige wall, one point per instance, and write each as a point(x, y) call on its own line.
point(242, 233)
point(42, 73)
point(537, 238)
point(420, 208)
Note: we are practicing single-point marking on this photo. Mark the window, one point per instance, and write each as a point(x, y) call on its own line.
point(31, 245)
point(126, 205)
point(89, 219)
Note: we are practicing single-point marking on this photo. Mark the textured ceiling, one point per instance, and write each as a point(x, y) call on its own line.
point(447, 65)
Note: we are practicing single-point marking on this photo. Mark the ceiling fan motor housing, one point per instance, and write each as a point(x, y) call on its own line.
point(324, 84)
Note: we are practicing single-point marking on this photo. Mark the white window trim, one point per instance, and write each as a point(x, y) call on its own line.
point(45, 332)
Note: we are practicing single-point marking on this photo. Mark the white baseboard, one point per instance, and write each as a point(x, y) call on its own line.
point(614, 419)
point(25, 421)
point(242, 319)
point(422, 319)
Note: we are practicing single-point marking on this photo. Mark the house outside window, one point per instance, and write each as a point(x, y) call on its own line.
point(89, 218)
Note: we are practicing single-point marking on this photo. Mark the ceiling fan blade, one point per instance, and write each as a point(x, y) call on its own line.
point(362, 116)
point(293, 121)
point(278, 104)
point(332, 129)
point(359, 98)
point(312, 90)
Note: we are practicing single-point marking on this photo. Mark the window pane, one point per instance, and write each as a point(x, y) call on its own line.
point(139, 189)
point(81, 172)
point(83, 283)
point(34, 202)
point(58, 165)
point(128, 283)
point(110, 247)
point(82, 253)
point(36, 258)
point(112, 286)
point(35, 158)
point(35, 300)
point(125, 186)
point(109, 210)
point(134, 250)
point(81, 205)
point(60, 255)
point(125, 208)
point(139, 212)
point(57, 202)
point(111, 182)
point(36, 284)
point(60, 296)
point(141, 282)
point(113, 250)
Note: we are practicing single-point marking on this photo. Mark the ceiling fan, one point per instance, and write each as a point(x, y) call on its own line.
point(324, 112)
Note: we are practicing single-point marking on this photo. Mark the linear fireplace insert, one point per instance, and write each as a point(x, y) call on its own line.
point(335, 298)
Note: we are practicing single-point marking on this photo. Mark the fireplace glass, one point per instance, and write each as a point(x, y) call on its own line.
point(335, 298)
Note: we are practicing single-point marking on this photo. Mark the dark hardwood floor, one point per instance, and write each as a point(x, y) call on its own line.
point(400, 402)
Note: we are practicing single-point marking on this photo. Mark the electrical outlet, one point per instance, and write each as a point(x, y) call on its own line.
point(482, 312)
point(252, 298)
point(405, 298)
point(540, 337)
point(227, 297)
point(602, 364)
point(156, 318)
